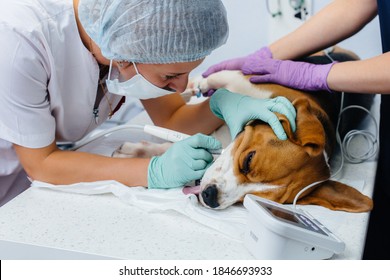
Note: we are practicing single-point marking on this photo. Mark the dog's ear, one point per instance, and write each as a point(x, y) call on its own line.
point(338, 196)
point(310, 132)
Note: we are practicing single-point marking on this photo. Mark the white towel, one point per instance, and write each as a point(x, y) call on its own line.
point(231, 221)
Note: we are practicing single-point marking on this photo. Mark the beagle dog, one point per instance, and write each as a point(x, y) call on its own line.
point(258, 163)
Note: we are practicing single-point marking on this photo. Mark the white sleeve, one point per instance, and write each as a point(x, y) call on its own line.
point(25, 115)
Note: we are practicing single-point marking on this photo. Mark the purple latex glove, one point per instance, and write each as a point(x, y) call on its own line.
point(240, 63)
point(298, 75)
point(246, 64)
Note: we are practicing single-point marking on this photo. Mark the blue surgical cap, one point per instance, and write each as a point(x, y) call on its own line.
point(155, 31)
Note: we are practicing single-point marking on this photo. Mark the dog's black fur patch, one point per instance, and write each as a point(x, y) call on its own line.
point(332, 101)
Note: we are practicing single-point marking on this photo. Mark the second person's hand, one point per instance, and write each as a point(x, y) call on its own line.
point(245, 64)
point(294, 74)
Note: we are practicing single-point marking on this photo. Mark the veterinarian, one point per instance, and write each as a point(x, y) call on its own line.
point(334, 23)
point(67, 67)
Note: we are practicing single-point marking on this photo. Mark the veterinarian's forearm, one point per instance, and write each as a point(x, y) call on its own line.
point(362, 76)
point(67, 167)
point(172, 112)
point(337, 21)
point(190, 119)
point(196, 118)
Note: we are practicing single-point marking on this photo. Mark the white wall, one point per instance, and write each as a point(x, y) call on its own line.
point(367, 43)
point(251, 27)
point(247, 31)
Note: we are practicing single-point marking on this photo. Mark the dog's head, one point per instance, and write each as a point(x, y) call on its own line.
point(257, 162)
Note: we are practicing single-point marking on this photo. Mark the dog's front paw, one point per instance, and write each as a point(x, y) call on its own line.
point(142, 149)
point(196, 86)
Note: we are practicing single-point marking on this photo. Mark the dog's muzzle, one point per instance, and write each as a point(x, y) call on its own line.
point(210, 196)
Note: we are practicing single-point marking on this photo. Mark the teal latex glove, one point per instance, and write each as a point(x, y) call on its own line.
point(185, 161)
point(236, 110)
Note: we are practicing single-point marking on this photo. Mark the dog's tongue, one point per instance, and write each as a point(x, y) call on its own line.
point(191, 190)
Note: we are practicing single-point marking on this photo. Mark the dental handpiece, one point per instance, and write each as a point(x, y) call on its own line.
point(172, 136)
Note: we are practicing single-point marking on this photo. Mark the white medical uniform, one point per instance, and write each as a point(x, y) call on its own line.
point(48, 83)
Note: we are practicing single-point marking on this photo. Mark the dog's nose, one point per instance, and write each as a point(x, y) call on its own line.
point(209, 195)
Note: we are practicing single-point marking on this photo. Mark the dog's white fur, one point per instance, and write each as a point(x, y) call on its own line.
point(221, 174)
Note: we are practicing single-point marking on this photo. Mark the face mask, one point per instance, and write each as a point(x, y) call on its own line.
point(136, 86)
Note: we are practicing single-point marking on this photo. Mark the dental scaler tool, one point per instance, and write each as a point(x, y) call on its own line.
point(172, 136)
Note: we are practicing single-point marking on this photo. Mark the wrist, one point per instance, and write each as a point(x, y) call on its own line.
point(223, 100)
point(265, 52)
point(153, 180)
point(217, 102)
point(321, 73)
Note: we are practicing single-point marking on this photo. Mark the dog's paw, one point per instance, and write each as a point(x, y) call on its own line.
point(223, 79)
point(196, 86)
point(142, 149)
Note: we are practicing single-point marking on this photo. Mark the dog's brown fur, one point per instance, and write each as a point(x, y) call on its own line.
point(295, 163)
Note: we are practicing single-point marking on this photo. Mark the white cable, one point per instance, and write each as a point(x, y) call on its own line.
point(89, 138)
point(345, 144)
point(345, 151)
point(304, 189)
point(373, 146)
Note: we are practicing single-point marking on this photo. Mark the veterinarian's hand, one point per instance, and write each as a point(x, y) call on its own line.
point(185, 161)
point(299, 75)
point(245, 64)
point(236, 110)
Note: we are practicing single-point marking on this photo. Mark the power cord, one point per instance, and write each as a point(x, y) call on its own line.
point(345, 144)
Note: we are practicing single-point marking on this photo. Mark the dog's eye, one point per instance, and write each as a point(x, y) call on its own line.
point(246, 165)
